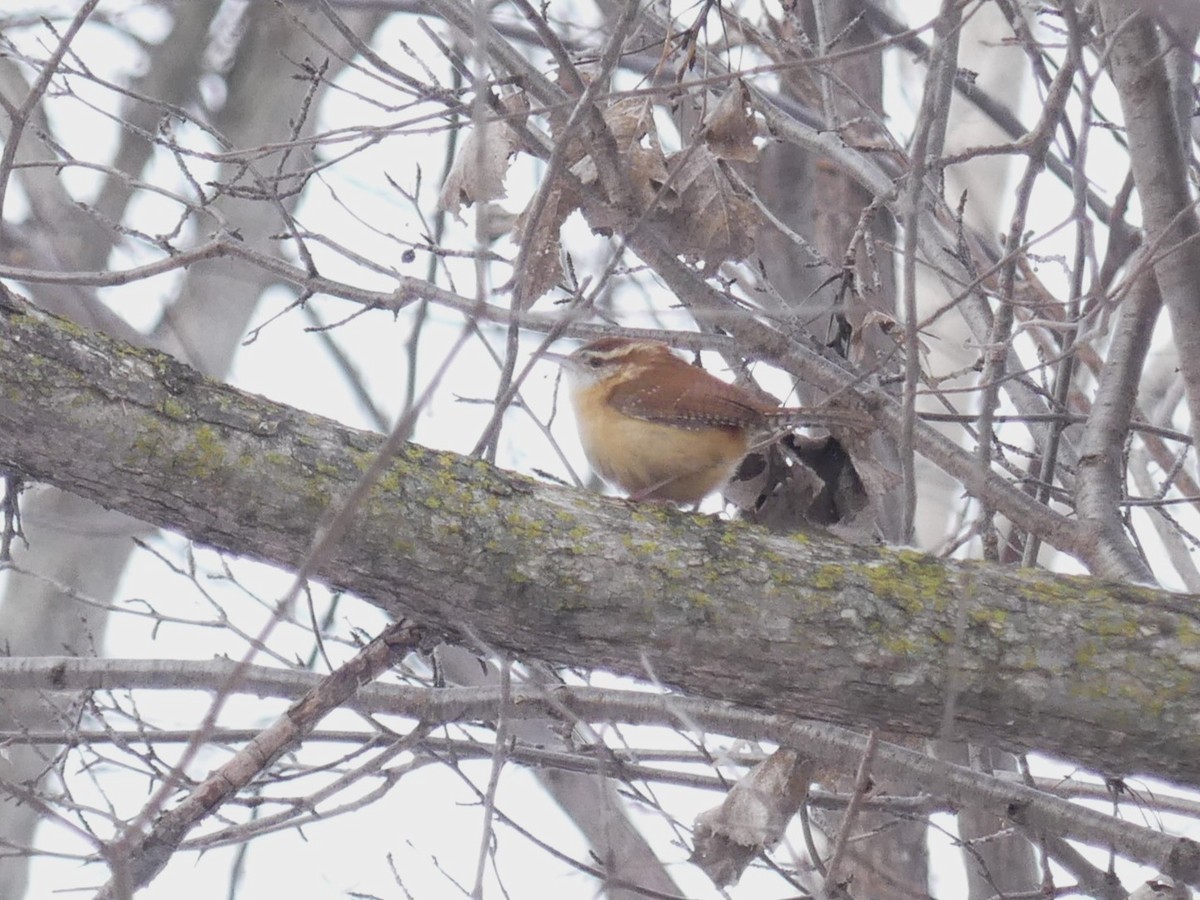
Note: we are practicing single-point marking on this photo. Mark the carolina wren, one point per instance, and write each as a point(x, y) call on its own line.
point(659, 428)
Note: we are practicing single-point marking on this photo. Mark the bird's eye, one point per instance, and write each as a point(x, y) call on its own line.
point(595, 362)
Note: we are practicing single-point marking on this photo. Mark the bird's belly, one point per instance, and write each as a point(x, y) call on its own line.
point(650, 460)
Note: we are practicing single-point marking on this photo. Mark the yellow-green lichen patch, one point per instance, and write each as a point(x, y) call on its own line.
point(1086, 654)
point(771, 558)
point(525, 528)
point(990, 617)
point(449, 528)
point(410, 460)
point(1035, 587)
point(361, 459)
point(148, 437)
point(897, 644)
point(315, 493)
point(1093, 687)
point(276, 459)
point(828, 577)
point(457, 494)
point(74, 330)
point(911, 580)
point(1110, 623)
point(673, 564)
point(326, 469)
point(1186, 633)
point(578, 534)
point(173, 409)
point(785, 577)
point(389, 483)
point(645, 549)
point(649, 513)
point(731, 536)
point(204, 456)
point(944, 635)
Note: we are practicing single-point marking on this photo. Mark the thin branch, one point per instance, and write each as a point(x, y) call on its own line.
point(20, 118)
point(944, 65)
point(143, 858)
point(862, 786)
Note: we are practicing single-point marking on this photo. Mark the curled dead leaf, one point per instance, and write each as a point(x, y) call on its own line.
point(753, 816)
point(715, 222)
point(877, 322)
point(630, 120)
point(541, 267)
point(730, 128)
point(482, 162)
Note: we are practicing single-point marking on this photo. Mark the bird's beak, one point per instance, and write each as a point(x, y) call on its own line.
point(560, 358)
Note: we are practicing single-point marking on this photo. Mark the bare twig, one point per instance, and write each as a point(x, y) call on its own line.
point(141, 860)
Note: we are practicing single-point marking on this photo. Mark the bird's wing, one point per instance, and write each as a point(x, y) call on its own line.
point(699, 400)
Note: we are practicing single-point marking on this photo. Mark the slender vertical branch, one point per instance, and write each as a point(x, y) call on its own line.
point(20, 118)
point(998, 349)
point(1160, 170)
point(862, 786)
point(929, 128)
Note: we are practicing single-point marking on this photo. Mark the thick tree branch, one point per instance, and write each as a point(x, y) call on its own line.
point(1101, 457)
point(1160, 170)
point(804, 625)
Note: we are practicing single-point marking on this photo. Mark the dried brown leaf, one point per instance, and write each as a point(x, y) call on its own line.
point(646, 172)
point(642, 161)
point(630, 120)
point(753, 816)
point(542, 266)
point(482, 162)
point(879, 323)
point(714, 221)
point(803, 481)
point(730, 129)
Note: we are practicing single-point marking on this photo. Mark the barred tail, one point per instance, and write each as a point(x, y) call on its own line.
point(795, 416)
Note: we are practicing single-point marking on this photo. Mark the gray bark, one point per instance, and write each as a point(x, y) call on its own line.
point(1098, 672)
point(1160, 169)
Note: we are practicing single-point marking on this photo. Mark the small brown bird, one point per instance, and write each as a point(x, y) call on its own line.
point(658, 428)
